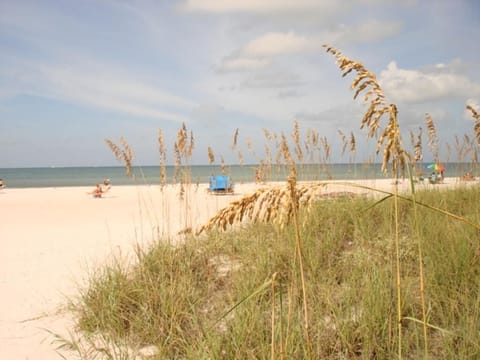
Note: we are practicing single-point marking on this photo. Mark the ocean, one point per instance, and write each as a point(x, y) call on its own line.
point(89, 176)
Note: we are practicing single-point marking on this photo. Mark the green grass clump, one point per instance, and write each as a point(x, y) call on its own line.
point(237, 294)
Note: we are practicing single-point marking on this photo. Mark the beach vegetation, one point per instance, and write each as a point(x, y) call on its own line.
point(301, 273)
point(237, 294)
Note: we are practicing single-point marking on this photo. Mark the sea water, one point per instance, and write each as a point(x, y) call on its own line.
point(89, 176)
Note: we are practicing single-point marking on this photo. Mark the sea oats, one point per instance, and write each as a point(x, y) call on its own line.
point(353, 143)
point(389, 139)
point(296, 141)
point(343, 137)
point(268, 135)
point(476, 118)
point(274, 204)
point(235, 139)
point(211, 156)
point(418, 149)
point(326, 148)
point(191, 145)
point(240, 157)
point(182, 139)
point(178, 161)
point(432, 138)
point(163, 158)
point(124, 155)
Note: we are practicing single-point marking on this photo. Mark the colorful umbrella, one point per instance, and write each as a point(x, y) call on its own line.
point(437, 167)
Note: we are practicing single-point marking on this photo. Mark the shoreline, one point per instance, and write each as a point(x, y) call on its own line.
point(382, 181)
point(52, 238)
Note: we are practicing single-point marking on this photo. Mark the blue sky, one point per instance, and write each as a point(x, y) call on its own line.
point(73, 73)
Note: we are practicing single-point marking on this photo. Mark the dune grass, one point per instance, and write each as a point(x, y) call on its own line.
point(236, 294)
point(301, 276)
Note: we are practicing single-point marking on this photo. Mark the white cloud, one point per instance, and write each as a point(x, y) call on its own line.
point(288, 94)
point(242, 64)
point(368, 31)
point(298, 13)
point(262, 50)
point(414, 86)
point(97, 86)
point(276, 43)
point(272, 79)
point(255, 6)
point(93, 87)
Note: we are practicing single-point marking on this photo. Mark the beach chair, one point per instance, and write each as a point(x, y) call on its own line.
point(220, 184)
point(434, 179)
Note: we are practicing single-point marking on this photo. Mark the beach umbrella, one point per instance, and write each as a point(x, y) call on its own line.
point(437, 167)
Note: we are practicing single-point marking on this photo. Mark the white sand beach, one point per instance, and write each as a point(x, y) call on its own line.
point(51, 237)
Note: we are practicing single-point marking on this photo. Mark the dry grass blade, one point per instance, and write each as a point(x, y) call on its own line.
point(311, 143)
point(476, 118)
point(432, 138)
point(191, 145)
point(163, 158)
point(124, 155)
point(268, 155)
point(260, 173)
point(235, 139)
point(474, 112)
point(326, 148)
point(418, 150)
point(268, 135)
point(222, 165)
point(115, 149)
point(296, 141)
point(127, 149)
point(211, 156)
point(285, 151)
point(344, 141)
point(315, 138)
point(178, 161)
point(353, 145)
point(182, 137)
point(240, 158)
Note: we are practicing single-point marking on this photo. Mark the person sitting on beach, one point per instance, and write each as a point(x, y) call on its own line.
point(2, 185)
point(468, 177)
point(97, 192)
point(440, 177)
point(105, 185)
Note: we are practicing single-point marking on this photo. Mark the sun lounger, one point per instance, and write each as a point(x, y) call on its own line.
point(220, 184)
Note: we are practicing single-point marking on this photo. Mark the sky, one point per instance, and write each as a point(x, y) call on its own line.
point(74, 73)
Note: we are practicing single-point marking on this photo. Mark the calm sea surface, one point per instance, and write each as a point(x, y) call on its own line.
point(89, 176)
